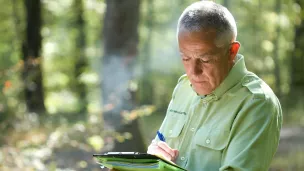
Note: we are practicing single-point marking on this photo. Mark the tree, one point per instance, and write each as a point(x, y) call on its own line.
point(297, 58)
point(81, 62)
point(120, 53)
point(31, 49)
point(277, 73)
point(147, 83)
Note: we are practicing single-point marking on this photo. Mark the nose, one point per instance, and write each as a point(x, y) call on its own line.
point(196, 67)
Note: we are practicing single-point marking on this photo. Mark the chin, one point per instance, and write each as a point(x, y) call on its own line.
point(202, 88)
point(202, 92)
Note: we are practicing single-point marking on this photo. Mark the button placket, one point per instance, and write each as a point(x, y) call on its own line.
point(205, 103)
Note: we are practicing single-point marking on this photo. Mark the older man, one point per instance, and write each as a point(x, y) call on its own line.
point(221, 116)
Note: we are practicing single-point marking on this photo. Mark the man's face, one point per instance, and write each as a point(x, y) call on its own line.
point(206, 64)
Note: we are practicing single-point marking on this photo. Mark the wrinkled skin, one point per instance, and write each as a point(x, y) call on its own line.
point(206, 64)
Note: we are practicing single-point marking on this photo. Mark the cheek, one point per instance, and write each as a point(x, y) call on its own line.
point(218, 75)
point(213, 75)
point(186, 67)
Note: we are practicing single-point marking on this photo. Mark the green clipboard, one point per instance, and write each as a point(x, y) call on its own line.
point(134, 161)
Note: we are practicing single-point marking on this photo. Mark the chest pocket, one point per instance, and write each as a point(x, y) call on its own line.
point(216, 138)
point(176, 126)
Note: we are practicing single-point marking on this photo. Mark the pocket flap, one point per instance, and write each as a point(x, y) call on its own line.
point(176, 128)
point(174, 125)
point(216, 139)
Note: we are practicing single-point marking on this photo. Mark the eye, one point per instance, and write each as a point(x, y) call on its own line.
point(205, 60)
point(185, 59)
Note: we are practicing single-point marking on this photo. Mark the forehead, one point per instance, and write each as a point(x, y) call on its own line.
point(205, 35)
point(199, 40)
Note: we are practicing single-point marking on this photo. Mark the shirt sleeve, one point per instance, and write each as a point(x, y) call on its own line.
point(254, 136)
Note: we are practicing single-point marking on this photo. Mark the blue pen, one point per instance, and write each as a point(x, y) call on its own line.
point(161, 136)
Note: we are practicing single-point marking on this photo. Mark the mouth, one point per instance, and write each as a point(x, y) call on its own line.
point(197, 82)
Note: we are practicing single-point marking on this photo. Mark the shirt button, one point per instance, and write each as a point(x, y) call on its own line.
point(208, 141)
point(182, 158)
point(192, 129)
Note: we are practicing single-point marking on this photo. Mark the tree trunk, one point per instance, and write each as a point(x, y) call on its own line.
point(120, 51)
point(16, 20)
point(147, 84)
point(276, 49)
point(81, 62)
point(31, 48)
point(297, 58)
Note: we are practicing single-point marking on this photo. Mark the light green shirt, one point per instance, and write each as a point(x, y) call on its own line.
point(236, 127)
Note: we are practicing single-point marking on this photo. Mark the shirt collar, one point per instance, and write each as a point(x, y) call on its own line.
point(237, 72)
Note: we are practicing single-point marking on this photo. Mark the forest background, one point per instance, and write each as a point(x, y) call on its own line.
point(79, 77)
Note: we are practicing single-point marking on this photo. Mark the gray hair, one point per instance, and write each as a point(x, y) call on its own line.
point(205, 15)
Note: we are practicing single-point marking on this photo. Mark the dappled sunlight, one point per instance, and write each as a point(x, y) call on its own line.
point(38, 147)
point(62, 99)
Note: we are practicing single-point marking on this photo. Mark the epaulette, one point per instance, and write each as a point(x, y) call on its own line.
point(253, 83)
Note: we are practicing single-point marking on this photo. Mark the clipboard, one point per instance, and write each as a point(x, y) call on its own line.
point(134, 161)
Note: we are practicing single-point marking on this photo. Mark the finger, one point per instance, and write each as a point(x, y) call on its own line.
point(165, 147)
point(163, 153)
point(176, 154)
point(152, 146)
point(156, 150)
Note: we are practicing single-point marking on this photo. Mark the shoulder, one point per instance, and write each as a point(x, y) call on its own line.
point(259, 90)
point(181, 86)
point(182, 81)
point(260, 104)
point(182, 78)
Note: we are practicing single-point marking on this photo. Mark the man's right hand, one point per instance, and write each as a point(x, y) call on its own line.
point(162, 148)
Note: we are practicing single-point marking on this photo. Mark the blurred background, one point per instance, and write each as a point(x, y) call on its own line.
point(79, 77)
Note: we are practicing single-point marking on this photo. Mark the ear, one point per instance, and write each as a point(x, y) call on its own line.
point(234, 48)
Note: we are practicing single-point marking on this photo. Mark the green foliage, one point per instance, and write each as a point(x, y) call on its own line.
point(158, 69)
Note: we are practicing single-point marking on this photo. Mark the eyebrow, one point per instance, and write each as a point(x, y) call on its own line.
point(203, 55)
